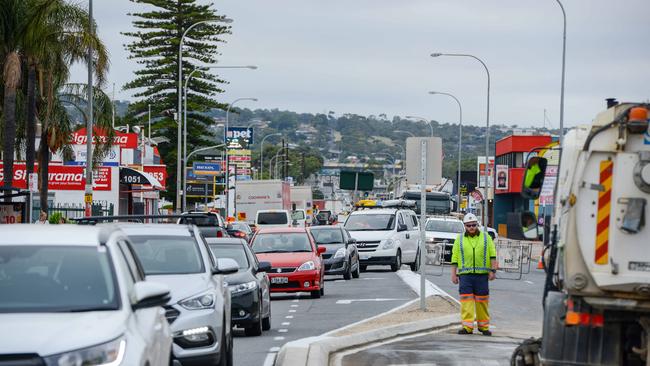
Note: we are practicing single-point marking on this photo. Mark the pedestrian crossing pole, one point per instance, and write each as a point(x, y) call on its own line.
point(423, 217)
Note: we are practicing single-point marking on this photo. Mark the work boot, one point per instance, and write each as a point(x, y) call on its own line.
point(464, 331)
point(485, 332)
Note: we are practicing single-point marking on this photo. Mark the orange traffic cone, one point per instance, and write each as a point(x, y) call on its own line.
point(540, 265)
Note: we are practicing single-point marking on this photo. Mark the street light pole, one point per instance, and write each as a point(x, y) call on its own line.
point(187, 81)
point(422, 119)
point(227, 163)
point(407, 132)
point(262, 152)
point(180, 102)
point(460, 137)
point(88, 189)
point(487, 132)
point(563, 73)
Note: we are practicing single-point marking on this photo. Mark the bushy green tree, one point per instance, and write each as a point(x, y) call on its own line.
point(155, 47)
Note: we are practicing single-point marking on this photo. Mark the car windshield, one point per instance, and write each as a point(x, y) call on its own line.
point(445, 226)
point(327, 236)
point(207, 220)
point(167, 255)
point(272, 218)
point(371, 222)
point(281, 243)
point(56, 279)
point(235, 252)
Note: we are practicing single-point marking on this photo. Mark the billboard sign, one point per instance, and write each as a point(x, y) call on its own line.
point(204, 168)
point(481, 171)
point(63, 178)
point(239, 137)
point(112, 157)
point(502, 177)
point(125, 140)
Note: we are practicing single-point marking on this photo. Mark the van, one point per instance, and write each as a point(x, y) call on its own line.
point(273, 218)
point(386, 236)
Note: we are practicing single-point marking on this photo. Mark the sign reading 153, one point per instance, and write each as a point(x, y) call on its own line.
point(158, 175)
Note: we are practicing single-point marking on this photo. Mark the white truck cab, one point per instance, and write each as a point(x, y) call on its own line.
point(385, 236)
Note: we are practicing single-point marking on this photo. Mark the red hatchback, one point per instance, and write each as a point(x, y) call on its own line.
point(295, 259)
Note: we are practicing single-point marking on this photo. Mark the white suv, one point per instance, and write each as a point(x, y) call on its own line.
point(441, 233)
point(75, 295)
point(385, 236)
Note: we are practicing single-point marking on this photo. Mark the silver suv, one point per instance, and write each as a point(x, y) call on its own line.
point(199, 311)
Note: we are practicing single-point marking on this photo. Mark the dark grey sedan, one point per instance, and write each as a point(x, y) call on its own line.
point(342, 256)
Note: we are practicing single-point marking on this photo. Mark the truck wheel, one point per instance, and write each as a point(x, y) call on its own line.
point(415, 266)
point(398, 262)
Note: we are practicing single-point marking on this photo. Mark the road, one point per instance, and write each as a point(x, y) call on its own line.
point(516, 312)
point(299, 316)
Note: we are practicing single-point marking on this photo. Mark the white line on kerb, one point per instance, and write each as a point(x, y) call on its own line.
point(270, 359)
point(274, 349)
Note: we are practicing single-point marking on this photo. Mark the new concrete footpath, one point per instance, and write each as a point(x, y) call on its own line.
point(405, 320)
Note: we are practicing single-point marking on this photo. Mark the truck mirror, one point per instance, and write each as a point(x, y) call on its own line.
point(534, 177)
point(529, 225)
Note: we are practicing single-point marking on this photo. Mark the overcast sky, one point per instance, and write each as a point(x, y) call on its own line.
point(372, 56)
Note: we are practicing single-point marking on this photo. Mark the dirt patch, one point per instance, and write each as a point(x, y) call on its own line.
point(436, 306)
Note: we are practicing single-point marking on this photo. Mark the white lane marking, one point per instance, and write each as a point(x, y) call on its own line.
point(335, 281)
point(286, 323)
point(278, 338)
point(529, 282)
point(270, 359)
point(294, 306)
point(289, 317)
point(297, 300)
point(274, 349)
point(347, 302)
point(283, 330)
point(490, 362)
point(371, 278)
point(292, 311)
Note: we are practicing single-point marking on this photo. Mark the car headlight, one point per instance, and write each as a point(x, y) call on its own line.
point(307, 266)
point(203, 301)
point(235, 289)
point(107, 354)
point(388, 244)
point(341, 253)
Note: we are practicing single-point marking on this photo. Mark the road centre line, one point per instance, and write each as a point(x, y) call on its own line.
point(286, 323)
point(294, 306)
point(278, 338)
point(283, 330)
point(292, 311)
point(289, 317)
point(348, 302)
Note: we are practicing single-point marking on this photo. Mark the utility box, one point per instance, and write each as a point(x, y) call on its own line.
point(433, 162)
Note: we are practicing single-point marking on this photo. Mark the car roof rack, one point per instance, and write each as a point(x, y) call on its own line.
point(92, 220)
point(398, 203)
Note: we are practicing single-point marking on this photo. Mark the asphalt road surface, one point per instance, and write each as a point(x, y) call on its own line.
point(299, 316)
point(516, 312)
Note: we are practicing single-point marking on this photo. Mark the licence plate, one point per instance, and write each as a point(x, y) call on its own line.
point(279, 280)
point(364, 256)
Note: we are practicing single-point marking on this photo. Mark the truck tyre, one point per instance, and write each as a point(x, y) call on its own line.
point(415, 266)
point(398, 262)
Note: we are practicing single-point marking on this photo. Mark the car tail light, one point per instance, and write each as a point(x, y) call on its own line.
point(219, 234)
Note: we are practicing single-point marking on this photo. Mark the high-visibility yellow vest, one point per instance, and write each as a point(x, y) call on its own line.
point(472, 254)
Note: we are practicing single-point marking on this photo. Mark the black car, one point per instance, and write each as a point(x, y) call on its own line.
point(342, 256)
point(210, 224)
point(249, 287)
point(241, 230)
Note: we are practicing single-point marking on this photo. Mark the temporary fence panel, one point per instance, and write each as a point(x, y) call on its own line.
point(435, 258)
point(513, 258)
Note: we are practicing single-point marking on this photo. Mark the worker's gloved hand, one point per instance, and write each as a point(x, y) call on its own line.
point(454, 279)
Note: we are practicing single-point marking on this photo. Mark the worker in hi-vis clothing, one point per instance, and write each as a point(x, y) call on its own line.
point(474, 263)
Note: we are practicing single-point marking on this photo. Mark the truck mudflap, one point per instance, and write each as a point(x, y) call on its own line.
point(591, 338)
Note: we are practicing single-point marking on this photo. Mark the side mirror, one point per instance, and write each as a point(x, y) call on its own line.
point(264, 267)
point(402, 227)
point(150, 294)
point(352, 241)
point(321, 250)
point(534, 177)
point(529, 225)
point(226, 266)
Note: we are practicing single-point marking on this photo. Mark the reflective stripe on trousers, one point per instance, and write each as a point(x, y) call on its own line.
point(474, 301)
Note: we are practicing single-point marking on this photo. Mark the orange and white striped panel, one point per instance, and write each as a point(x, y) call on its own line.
point(604, 208)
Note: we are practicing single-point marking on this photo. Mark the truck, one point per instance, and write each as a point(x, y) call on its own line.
point(597, 261)
point(302, 199)
point(254, 195)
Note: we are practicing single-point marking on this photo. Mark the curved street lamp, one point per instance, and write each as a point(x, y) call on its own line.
point(487, 124)
point(407, 132)
point(262, 152)
point(460, 136)
point(422, 119)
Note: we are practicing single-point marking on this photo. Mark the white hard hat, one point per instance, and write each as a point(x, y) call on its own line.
point(470, 217)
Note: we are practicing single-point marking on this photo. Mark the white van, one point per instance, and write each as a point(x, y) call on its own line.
point(299, 218)
point(273, 218)
point(385, 236)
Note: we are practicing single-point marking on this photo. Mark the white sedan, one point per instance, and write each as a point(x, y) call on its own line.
point(74, 295)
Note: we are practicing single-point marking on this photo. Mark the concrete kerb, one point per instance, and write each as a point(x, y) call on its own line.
point(316, 351)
